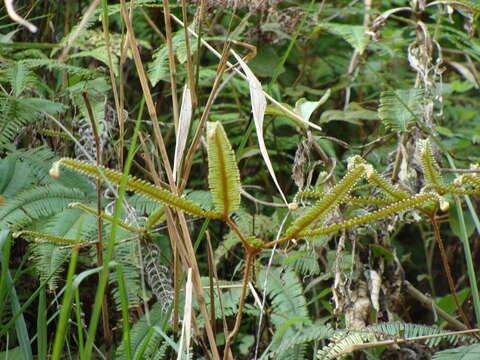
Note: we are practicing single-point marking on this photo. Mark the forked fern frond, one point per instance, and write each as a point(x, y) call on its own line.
point(139, 186)
point(322, 207)
point(223, 174)
point(37, 202)
point(347, 341)
point(429, 165)
point(402, 205)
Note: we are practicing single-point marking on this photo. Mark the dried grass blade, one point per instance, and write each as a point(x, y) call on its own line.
point(259, 104)
point(183, 128)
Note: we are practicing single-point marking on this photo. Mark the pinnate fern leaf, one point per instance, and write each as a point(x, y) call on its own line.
point(346, 341)
point(353, 34)
point(223, 174)
point(138, 186)
point(470, 352)
point(399, 108)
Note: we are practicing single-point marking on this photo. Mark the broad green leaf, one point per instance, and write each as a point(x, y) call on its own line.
point(353, 114)
point(223, 174)
point(306, 108)
point(455, 226)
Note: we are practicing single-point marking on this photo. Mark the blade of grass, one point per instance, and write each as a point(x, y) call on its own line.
point(472, 277)
point(5, 247)
point(20, 324)
point(81, 341)
point(124, 304)
point(66, 307)
point(42, 337)
point(92, 328)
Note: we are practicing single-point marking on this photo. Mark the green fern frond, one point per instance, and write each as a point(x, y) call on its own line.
point(355, 35)
point(139, 186)
point(308, 333)
point(127, 255)
point(223, 174)
point(49, 257)
point(469, 352)
point(429, 165)
point(38, 202)
point(17, 112)
point(322, 207)
point(402, 205)
point(289, 311)
point(55, 65)
point(19, 76)
point(346, 341)
point(143, 334)
point(399, 108)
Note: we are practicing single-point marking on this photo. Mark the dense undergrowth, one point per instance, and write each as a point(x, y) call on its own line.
point(278, 180)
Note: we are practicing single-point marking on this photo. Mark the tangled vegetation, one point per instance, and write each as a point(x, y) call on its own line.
point(226, 179)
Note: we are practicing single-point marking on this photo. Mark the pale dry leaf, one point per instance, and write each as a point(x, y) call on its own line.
point(183, 128)
point(259, 103)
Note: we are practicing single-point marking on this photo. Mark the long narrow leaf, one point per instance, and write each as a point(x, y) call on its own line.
point(183, 127)
point(259, 104)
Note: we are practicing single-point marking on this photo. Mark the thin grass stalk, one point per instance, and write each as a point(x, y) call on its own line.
point(211, 265)
point(217, 281)
point(92, 328)
point(239, 73)
point(190, 73)
point(448, 271)
point(287, 52)
point(198, 132)
point(18, 319)
point(124, 305)
point(42, 338)
point(146, 92)
point(73, 37)
point(143, 348)
point(171, 62)
point(119, 110)
point(66, 307)
point(98, 245)
point(472, 277)
point(78, 314)
point(238, 320)
point(5, 249)
point(5, 328)
point(188, 253)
